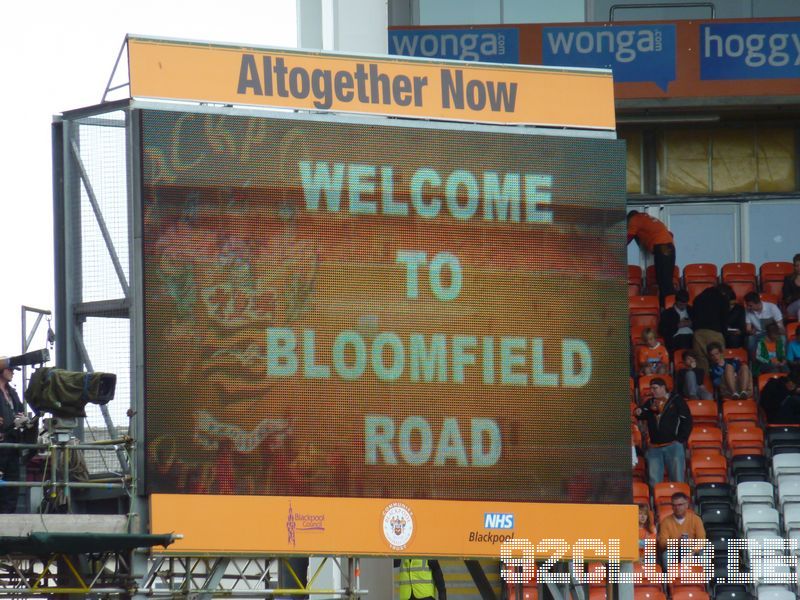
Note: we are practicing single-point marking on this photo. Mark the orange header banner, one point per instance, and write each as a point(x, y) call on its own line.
point(389, 527)
point(415, 88)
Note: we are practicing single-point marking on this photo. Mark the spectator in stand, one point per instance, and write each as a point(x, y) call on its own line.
point(759, 315)
point(771, 352)
point(682, 524)
point(791, 290)
point(652, 358)
point(793, 351)
point(730, 375)
point(675, 324)
point(737, 319)
point(669, 424)
point(780, 400)
point(654, 237)
point(647, 530)
point(689, 379)
point(711, 309)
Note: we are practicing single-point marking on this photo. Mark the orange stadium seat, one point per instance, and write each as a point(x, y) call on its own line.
point(704, 412)
point(650, 592)
point(700, 272)
point(644, 310)
point(663, 511)
point(709, 466)
point(741, 277)
point(791, 329)
point(597, 593)
point(662, 492)
point(652, 284)
point(767, 297)
point(641, 493)
point(697, 277)
point(734, 411)
point(644, 385)
point(745, 438)
point(681, 588)
point(705, 437)
point(669, 301)
point(772, 275)
point(742, 271)
point(742, 288)
point(639, 568)
point(634, 280)
point(739, 353)
point(765, 377)
point(695, 593)
point(636, 437)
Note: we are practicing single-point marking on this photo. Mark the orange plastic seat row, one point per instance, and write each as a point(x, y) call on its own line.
point(772, 274)
point(641, 493)
point(704, 412)
point(732, 272)
point(745, 438)
point(764, 378)
point(662, 492)
point(644, 311)
point(705, 437)
point(700, 272)
point(739, 410)
point(708, 466)
point(737, 353)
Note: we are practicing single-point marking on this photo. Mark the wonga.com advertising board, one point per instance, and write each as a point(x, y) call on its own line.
point(667, 60)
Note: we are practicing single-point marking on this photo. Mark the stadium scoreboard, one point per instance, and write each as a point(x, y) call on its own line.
point(358, 329)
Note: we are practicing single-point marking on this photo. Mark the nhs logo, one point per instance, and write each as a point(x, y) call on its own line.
point(498, 521)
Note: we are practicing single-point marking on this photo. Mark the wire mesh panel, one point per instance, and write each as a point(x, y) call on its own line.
point(101, 144)
point(97, 239)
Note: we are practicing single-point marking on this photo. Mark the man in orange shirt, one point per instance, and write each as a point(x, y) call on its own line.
point(653, 236)
point(682, 524)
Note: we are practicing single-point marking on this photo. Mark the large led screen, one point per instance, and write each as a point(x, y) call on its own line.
point(383, 310)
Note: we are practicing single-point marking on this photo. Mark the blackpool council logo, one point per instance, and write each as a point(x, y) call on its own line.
point(398, 525)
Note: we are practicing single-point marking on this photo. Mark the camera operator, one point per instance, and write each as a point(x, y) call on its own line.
point(12, 419)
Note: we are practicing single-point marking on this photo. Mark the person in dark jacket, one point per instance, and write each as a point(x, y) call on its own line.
point(690, 379)
point(780, 400)
point(675, 324)
point(737, 319)
point(11, 416)
point(710, 319)
point(669, 424)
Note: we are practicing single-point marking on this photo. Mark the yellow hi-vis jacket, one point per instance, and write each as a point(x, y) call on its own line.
point(416, 579)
